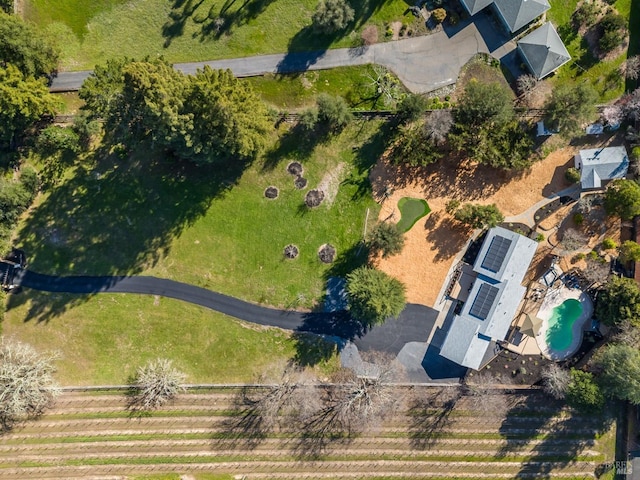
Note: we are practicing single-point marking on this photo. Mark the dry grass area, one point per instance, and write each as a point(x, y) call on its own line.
point(432, 244)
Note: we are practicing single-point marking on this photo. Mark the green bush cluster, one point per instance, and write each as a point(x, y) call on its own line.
point(614, 31)
point(572, 175)
point(587, 13)
point(15, 197)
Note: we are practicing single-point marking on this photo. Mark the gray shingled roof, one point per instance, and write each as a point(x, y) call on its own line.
point(518, 13)
point(470, 336)
point(598, 164)
point(543, 50)
point(474, 6)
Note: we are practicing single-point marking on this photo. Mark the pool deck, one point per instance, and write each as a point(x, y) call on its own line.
point(554, 297)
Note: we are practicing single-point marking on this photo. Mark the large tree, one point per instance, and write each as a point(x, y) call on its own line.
point(618, 303)
point(583, 393)
point(23, 101)
point(27, 386)
point(25, 47)
point(205, 118)
point(629, 251)
point(570, 106)
point(620, 377)
point(622, 199)
point(486, 128)
point(225, 118)
point(374, 296)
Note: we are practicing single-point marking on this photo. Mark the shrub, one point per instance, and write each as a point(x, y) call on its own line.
point(539, 238)
point(411, 108)
point(374, 296)
point(333, 111)
point(572, 175)
point(386, 239)
point(578, 218)
point(332, 15)
point(614, 31)
point(479, 216)
point(439, 15)
point(635, 153)
point(55, 139)
point(308, 118)
point(587, 13)
point(608, 244)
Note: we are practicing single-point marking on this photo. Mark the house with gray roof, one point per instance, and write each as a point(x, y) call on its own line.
point(543, 51)
point(514, 14)
point(599, 165)
point(493, 301)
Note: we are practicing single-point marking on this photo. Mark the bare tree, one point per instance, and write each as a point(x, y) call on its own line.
point(613, 114)
point(486, 392)
point(437, 125)
point(555, 380)
point(597, 271)
point(27, 386)
point(526, 84)
point(154, 385)
point(630, 68)
point(354, 403)
point(573, 240)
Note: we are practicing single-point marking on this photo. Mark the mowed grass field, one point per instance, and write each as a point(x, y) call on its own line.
point(103, 339)
point(603, 75)
point(90, 32)
point(204, 226)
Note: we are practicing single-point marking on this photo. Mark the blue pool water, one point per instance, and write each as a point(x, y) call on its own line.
point(560, 331)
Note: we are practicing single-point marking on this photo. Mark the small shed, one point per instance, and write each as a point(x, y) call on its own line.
point(599, 165)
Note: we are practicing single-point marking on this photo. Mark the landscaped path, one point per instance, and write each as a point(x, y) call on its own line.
point(423, 63)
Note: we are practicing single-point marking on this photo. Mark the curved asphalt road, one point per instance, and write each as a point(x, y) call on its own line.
point(414, 323)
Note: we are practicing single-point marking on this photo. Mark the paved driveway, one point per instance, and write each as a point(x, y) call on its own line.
point(423, 63)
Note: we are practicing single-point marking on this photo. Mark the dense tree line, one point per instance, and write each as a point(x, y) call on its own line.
point(204, 118)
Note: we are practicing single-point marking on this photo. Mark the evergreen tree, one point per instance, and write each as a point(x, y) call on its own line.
point(620, 377)
point(374, 296)
point(622, 199)
point(570, 106)
point(618, 302)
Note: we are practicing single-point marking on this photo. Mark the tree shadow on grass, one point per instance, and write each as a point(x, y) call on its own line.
point(555, 435)
point(116, 217)
point(233, 14)
point(430, 415)
point(180, 12)
point(247, 427)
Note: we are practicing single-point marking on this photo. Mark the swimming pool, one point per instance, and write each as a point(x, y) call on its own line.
point(560, 327)
point(564, 313)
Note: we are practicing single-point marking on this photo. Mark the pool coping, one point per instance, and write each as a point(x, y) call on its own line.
point(553, 298)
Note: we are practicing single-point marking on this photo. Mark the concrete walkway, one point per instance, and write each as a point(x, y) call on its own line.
point(528, 216)
point(423, 63)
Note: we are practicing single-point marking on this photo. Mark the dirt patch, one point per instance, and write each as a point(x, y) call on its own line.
point(539, 95)
point(395, 28)
point(327, 253)
point(370, 35)
point(433, 243)
point(482, 69)
point(330, 183)
point(295, 169)
point(300, 182)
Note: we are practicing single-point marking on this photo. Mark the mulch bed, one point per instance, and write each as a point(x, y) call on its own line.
point(291, 252)
point(271, 192)
point(295, 168)
point(300, 182)
point(327, 253)
point(314, 198)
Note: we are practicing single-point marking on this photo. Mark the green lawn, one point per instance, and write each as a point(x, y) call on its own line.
point(300, 90)
point(603, 76)
point(102, 339)
point(412, 210)
point(91, 32)
point(210, 227)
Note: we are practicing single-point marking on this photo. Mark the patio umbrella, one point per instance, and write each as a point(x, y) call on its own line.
point(531, 325)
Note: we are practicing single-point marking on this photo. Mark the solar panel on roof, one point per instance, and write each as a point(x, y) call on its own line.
point(484, 300)
point(496, 253)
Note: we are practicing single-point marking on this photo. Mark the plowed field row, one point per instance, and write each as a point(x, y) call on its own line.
point(93, 436)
